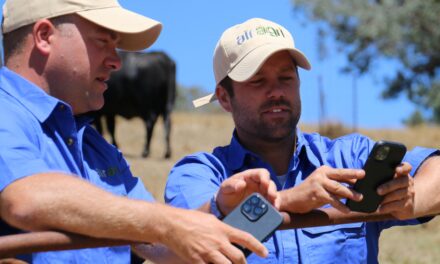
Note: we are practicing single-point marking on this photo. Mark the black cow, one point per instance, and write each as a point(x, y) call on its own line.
point(144, 87)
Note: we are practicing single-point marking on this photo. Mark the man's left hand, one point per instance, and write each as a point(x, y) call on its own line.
point(399, 194)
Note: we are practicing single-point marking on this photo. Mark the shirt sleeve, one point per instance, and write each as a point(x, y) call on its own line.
point(417, 156)
point(19, 146)
point(194, 180)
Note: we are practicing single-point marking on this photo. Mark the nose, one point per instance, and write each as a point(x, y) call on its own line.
point(276, 90)
point(113, 61)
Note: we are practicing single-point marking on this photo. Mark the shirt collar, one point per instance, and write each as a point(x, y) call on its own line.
point(32, 97)
point(237, 154)
point(83, 120)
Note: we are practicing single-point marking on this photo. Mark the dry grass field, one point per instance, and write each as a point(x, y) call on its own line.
point(202, 132)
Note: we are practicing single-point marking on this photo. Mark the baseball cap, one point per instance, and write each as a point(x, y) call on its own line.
point(243, 49)
point(137, 32)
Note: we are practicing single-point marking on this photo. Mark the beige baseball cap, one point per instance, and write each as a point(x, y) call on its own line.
point(137, 32)
point(243, 49)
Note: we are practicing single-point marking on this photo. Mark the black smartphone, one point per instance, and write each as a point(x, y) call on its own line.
point(256, 216)
point(379, 168)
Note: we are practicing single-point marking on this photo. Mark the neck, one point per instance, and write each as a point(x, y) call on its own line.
point(20, 65)
point(277, 153)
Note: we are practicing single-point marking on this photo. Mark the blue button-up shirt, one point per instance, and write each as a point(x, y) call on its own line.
point(39, 134)
point(196, 178)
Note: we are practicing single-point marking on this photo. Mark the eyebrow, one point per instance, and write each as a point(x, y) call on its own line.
point(113, 35)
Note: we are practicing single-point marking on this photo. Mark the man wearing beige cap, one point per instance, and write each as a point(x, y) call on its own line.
point(257, 81)
point(58, 173)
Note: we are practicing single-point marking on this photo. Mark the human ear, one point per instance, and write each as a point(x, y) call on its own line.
point(223, 97)
point(42, 33)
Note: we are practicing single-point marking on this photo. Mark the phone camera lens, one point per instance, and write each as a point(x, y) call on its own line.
point(382, 153)
point(255, 200)
point(258, 211)
point(247, 208)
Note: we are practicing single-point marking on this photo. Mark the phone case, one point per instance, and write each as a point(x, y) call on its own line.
point(379, 168)
point(256, 216)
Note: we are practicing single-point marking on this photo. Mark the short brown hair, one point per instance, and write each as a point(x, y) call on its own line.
point(228, 85)
point(13, 41)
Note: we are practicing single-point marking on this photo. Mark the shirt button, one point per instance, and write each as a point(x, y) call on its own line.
point(61, 107)
point(70, 141)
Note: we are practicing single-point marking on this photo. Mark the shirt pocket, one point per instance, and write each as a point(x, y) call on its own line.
point(111, 182)
point(335, 244)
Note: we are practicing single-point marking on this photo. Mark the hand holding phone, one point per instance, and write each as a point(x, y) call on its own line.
point(379, 168)
point(256, 216)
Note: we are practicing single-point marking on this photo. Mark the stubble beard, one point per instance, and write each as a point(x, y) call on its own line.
point(276, 131)
point(269, 131)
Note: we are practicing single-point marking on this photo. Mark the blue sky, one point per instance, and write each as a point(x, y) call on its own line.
point(191, 29)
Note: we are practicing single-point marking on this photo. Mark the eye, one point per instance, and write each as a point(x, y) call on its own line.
point(102, 41)
point(257, 81)
point(287, 78)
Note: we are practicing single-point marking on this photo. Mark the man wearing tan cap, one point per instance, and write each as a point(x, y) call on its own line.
point(58, 173)
point(256, 72)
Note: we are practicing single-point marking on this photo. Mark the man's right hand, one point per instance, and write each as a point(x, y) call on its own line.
point(199, 237)
point(322, 187)
point(239, 186)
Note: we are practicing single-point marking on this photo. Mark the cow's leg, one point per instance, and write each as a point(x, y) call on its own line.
point(111, 121)
point(150, 121)
point(167, 126)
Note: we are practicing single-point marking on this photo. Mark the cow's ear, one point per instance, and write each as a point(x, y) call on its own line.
point(223, 97)
point(42, 33)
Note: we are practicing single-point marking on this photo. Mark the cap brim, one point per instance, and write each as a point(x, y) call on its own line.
point(253, 61)
point(137, 32)
point(204, 100)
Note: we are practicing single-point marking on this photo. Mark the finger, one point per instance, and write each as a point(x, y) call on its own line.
point(216, 257)
point(245, 175)
point(277, 201)
point(272, 193)
point(345, 175)
point(255, 174)
point(339, 190)
point(337, 204)
point(395, 184)
point(258, 177)
point(233, 254)
point(395, 206)
point(403, 169)
point(246, 240)
point(401, 194)
point(232, 185)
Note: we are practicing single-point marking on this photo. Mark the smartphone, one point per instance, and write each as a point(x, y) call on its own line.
point(379, 168)
point(256, 216)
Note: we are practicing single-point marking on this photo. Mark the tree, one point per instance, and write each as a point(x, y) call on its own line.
point(416, 119)
point(404, 31)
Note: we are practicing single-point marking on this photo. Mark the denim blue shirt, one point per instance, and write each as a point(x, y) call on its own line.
point(196, 178)
point(39, 134)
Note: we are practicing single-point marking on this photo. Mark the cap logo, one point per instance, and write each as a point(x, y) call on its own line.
point(262, 31)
